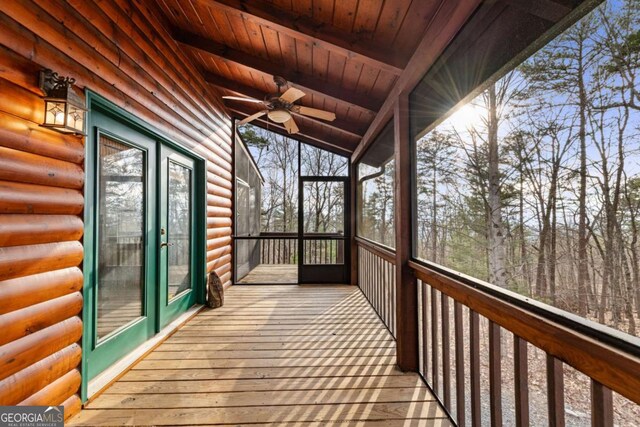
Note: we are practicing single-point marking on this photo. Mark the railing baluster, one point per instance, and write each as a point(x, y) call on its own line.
point(446, 349)
point(521, 379)
point(434, 339)
point(459, 333)
point(601, 405)
point(474, 332)
point(555, 392)
point(425, 328)
point(495, 374)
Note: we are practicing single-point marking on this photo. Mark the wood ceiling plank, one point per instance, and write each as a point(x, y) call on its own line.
point(221, 21)
point(288, 49)
point(272, 42)
point(367, 80)
point(352, 45)
point(366, 19)
point(320, 63)
point(323, 11)
point(335, 72)
point(415, 23)
point(304, 51)
point(304, 81)
point(302, 7)
point(256, 37)
point(344, 14)
point(451, 16)
point(391, 18)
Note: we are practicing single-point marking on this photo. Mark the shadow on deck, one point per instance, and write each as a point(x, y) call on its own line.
point(272, 354)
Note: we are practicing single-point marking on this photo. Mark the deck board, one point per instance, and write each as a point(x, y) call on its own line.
point(271, 273)
point(274, 355)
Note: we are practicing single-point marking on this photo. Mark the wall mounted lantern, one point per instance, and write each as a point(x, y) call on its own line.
point(64, 109)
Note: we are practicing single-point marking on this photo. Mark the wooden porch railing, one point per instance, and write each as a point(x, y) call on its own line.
point(454, 359)
point(377, 280)
point(278, 248)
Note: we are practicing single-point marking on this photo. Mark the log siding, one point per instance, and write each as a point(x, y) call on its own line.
point(122, 52)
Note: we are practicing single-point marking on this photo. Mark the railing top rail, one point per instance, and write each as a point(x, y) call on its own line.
point(387, 254)
point(273, 236)
point(613, 363)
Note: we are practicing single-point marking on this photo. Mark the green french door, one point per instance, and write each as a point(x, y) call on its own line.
point(141, 251)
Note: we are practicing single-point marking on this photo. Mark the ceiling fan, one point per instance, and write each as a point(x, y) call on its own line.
point(280, 107)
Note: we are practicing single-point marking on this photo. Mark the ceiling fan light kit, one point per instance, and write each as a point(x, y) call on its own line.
point(279, 115)
point(279, 106)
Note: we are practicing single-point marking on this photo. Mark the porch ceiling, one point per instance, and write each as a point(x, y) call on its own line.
point(351, 57)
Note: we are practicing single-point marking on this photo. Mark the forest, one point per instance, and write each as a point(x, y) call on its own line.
point(534, 185)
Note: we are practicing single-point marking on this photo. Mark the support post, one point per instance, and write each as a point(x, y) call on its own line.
point(355, 202)
point(406, 283)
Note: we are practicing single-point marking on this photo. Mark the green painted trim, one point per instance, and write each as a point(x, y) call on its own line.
point(157, 315)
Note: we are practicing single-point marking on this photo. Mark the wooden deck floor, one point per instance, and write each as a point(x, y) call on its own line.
point(271, 274)
point(279, 355)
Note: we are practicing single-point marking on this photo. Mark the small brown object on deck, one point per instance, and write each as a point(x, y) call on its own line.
point(215, 291)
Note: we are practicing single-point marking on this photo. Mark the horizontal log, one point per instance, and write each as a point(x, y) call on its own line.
point(79, 58)
point(134, 63)
point(31, 168)
point(223, 269)
point(215, 222)
point(20, 102)
point(214, 179)
point(225, 259)
point(72, 406)
point(223, 202)
point(213, 233)
point(216, 190)
point(18, 198)
point(29, 137)
point(218, 243)
point(28, 350)
point(225, 279)
point(20, 71)
point(57, 392)
point(20, 261)
point(17, 230)
point(30, 290)
point(224, 173)
point(211, 210)
point(20, 323)
point(30, 380)
point(217, 253)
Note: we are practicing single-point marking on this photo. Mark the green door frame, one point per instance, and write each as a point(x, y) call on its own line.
point(155, 310)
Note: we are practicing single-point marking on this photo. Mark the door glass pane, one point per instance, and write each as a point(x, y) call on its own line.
point(179, 229)
point(121, 224)
point(323, 204)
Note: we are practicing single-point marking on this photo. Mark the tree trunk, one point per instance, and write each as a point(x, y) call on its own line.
point(497, 253)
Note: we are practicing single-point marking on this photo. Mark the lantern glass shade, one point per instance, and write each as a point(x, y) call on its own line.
point(75, 118)
point(54, 113)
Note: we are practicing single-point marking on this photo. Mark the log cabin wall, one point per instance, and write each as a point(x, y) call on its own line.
point(123, 53)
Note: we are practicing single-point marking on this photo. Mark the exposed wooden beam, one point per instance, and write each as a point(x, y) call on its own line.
point(351, 45)
point(314, 140)
point(545, 9)
point(302, 81)
point(340, 125)
point(450, 17)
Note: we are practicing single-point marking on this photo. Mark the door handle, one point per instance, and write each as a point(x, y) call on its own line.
point(165, 244)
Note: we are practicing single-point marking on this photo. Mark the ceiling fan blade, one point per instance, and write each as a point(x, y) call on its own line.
point(291, 95)
point(252, 117)
point(314, 112)
point(291, 126)
point(239, 98)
